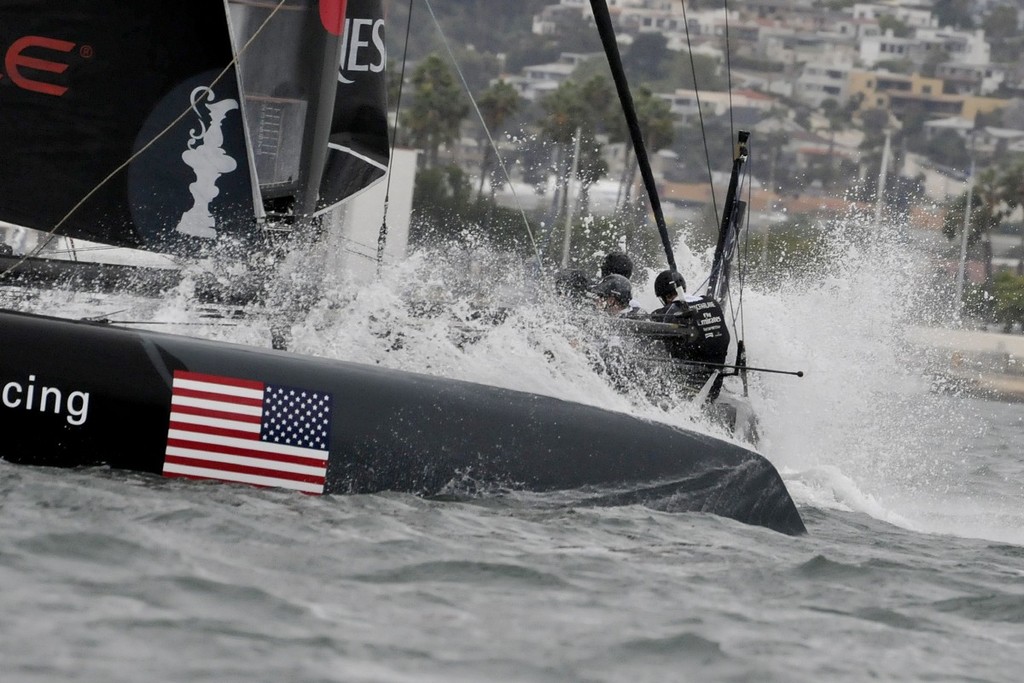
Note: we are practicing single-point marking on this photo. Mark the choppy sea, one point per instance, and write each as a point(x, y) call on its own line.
point(912, 568)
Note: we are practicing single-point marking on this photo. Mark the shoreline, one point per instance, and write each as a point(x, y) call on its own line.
point(981, 364)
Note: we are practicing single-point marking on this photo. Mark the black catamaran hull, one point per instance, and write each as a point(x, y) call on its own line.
point(78, 394)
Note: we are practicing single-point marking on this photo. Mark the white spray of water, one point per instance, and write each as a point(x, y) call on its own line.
point(859, 432)
point(862, 430)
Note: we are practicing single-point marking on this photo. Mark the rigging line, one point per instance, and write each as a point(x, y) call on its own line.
point(487, 131)
point(51, 232)
point(382, 236)
point(736, 309)
point(108, 321)
point(745, 261)
point(364, 245)
point(700, 111)
point(728, 70)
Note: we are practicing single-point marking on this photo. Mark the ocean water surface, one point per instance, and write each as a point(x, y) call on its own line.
point(912, 568)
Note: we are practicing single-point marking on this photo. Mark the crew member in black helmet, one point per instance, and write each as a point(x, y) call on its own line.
point(708, 337)
point(616, 351)
point(615, 296)
point(668, 286)
point(617, 263)
point(574, 285)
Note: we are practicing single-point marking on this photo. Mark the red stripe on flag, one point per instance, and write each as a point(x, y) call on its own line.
point(247, 452)
point(217, 414)
point(243, 469)
point(216, 379)
point(221, 398)
point(214, 431)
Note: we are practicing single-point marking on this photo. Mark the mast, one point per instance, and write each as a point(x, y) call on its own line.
point(732, 218)
point(611, 49)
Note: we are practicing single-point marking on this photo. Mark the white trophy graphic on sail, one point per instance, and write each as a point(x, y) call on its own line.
point(207, 158)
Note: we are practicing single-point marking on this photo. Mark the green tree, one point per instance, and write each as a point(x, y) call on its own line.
point(949, 149)
point(888, 22)
point(998, 192)
point(647, 56)
point(872, 148)
point(955, 13)
point(931, 62)
point(1001, 31)
point(438, 108)
point(573, 106)
point(657, 127)
point(680, 74)
point(441, 197)
point(984, 211)
point(497, 104)
point(1001, 23)
point(1008, 292)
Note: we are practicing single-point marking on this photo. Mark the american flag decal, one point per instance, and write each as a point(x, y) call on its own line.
point(249, 432)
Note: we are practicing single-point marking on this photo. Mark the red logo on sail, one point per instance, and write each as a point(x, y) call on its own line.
point(332, 15)
point(15, 61)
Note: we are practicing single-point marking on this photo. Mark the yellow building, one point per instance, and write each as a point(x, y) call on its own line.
point(898, 93)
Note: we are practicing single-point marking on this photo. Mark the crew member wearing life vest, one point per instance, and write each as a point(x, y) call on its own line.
point(707, 337)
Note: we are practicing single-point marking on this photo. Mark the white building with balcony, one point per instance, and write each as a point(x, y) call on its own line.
point(963, 47)
point(913, 15)
point(820, 81)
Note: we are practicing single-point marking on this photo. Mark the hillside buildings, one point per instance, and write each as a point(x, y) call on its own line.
point(796, 59)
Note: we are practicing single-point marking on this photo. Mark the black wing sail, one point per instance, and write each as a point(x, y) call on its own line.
point(358, 147)
point(88, 86)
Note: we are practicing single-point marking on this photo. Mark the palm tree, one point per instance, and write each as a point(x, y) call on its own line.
point(657, 124)
point(565, 110)
point(998, 192)
point(497, 104)
point(438, 108)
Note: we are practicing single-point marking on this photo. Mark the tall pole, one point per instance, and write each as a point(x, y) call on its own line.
point(882, 173)
point(570, 200)
point(962, 264)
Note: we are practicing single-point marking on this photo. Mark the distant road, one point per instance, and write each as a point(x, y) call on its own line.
point(989, 379)
point(973, 341)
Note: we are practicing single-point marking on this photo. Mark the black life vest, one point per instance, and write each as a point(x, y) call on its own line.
point(707, 336)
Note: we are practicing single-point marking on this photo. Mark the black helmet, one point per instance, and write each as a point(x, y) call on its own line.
point(572, 282)
point(667, 282)
point(617, 262)
point(616, 287)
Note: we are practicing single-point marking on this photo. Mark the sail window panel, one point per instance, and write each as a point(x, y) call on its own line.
point(275, 85)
